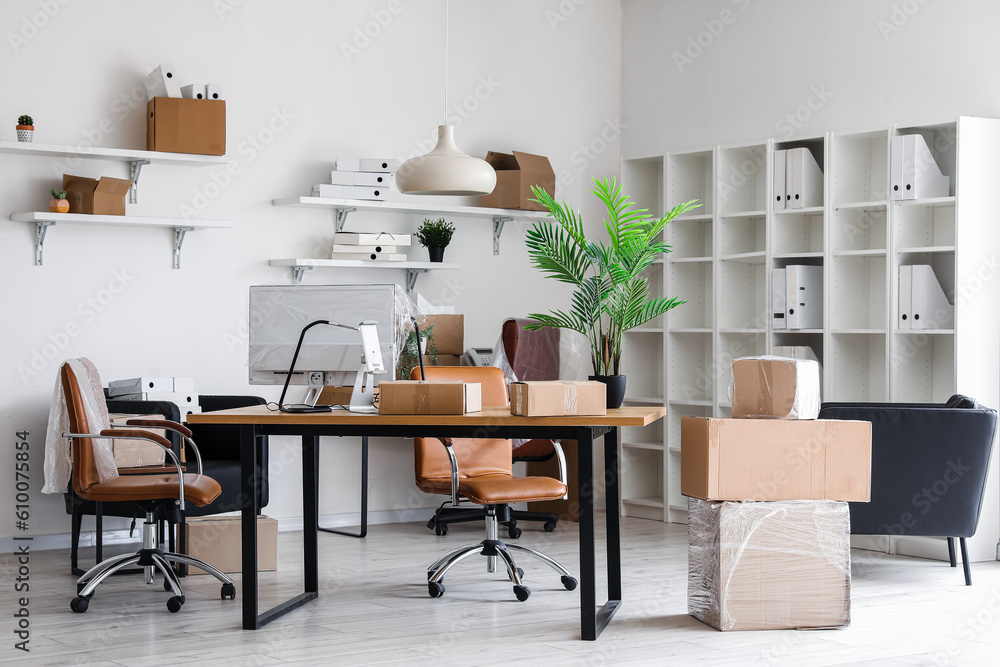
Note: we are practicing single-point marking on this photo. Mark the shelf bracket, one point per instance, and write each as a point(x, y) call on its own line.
point(179, 233)
point(341, 214)
point(40, 229)
point(497, 229)
point(135, 169)
point(411, 279)
point(298, 272)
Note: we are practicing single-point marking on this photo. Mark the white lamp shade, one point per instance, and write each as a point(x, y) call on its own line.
point(446, 171)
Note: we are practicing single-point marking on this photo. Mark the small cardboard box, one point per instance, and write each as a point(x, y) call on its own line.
point(449, 332)
point(773, 459)
point(130, 453)
point(775, 388)
point(555, 398)
point(218, 540)
point(177, 125)
point(769, 566)
point(430, 397)
point(515, 175)
point(96, 197)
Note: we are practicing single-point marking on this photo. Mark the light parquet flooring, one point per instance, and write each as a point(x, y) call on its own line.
point(373, 609)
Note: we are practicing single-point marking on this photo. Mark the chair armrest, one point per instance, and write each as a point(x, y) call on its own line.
point(561, 459)
point(161, 423)
point(453, 460)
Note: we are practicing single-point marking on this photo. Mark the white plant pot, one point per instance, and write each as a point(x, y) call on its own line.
point(25, 135)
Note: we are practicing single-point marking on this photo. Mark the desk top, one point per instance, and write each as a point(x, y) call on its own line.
point(632, 415)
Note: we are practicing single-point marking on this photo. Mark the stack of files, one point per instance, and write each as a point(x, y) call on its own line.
point(797, 179)
point(797, 297)
point(922, 302)
point(358, 178)
point(375, 247)
point(179, 391)
point(913, 171)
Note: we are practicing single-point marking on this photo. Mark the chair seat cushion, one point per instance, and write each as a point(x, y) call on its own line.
point(534, 450)
point(497, 489)
point(198, 489)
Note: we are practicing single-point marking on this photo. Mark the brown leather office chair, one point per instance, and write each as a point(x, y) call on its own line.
point(157, 494)
point(479, 469)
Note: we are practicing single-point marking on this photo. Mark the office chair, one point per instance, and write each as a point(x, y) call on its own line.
point(929, 464)
point(159, 495)
point(480, 470)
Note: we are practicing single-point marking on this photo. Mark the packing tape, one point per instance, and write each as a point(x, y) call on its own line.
point(570, 399)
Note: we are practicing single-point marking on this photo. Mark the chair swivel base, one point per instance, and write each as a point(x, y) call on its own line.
point(447, 514)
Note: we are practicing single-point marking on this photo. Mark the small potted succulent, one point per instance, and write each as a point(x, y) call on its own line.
point(25, 128)
point(435, 235)
point(59, 203)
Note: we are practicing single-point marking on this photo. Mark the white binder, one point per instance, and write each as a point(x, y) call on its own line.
point(327, 190)
point(340, 249)
point(896, 168)
point(376, 164)
point(931, 309)
point(778, 318)
point(370, 238)
point(803, 179)
point(371, 256)
point(213, 91)
point(360, 178)
point(348, 164)
point(194, 91)
point(922, 178)
point(778, 203)
point(162, 82)
point(905, 316)
point(804, 297)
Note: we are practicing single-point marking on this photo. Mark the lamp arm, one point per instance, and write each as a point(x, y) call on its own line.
point(295, 357)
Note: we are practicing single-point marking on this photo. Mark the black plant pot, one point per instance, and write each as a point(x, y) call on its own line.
point(616, 388)
point(436, 254)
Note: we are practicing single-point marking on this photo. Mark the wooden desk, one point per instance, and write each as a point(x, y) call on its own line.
point(490, 423)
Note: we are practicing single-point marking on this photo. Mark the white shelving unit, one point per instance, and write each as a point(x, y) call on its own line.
point(721, 260)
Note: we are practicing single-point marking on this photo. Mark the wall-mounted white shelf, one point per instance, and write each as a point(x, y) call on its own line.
point(342, 207)
point(44, 219)
point(413, 269)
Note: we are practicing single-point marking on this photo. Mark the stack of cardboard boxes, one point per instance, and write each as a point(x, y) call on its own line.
point(768, 521)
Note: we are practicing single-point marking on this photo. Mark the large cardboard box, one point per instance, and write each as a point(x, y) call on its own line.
point(775, 388)
point(515, 175)
point(96, 197)
point(218, 540)
point(773, 459)
point(430, 397)
point(132, 453)
point(769, 566)
point(448, 332)
point(555, 398)
point(177, 125)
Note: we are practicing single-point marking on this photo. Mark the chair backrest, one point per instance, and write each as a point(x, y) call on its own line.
point(84, 464)
point(532, 355)
point(476, 457)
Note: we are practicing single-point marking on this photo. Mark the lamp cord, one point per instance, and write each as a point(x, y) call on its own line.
point(446, 32)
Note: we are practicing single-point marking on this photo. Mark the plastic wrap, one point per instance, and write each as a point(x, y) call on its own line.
point(278, 314)
point(769, 565)
point(771, 387)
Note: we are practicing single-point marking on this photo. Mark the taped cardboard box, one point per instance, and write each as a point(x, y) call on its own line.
point(218, 540)
point(775, 459)
point(177, 125)
point(430, 397)
point(96, 197)
point(449, 332)
point(515, 175)
point(555, 398)
point(775, 388)
point(132, 453)
point(769, 565)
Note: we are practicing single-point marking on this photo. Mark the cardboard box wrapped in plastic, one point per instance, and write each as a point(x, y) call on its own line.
point(775, 388)
point(769, 565)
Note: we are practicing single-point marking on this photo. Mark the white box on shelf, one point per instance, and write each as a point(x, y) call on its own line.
point(779, 180)
point(195, 91)
point(905, 315)
point(341, 249)
point(804, 296)
point(896, 168)
point(922, 178)
point(803, 179)
point(931, 309)
point(361, 238)
point(184, 385)
point(360, 178)
point(778, 318)
point(348, 163)
point(371, 256)
point(162, 82)
point(328, 191)
point(376, 164)
point(118, 388)
point(182, 400)
point(213, 91)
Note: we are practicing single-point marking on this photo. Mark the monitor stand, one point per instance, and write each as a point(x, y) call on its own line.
point(363, 396)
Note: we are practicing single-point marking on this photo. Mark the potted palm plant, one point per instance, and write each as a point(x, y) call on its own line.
point(612, 294)
point(435, 235)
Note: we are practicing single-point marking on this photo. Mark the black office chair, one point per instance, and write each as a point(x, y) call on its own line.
point(929, 465)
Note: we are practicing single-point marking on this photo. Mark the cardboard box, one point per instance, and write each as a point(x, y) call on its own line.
point(218, 540)
point(554, 398)
point(132, 453)
point(430, 397)
point(769, 566)
point(449, 332)
point(772, 459)
point(444, 360)
point(515, 175)
point(139, 385)
point(98, 197)
point(775, 388)
point(176, 125)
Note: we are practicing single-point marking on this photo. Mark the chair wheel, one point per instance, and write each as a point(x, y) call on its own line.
point(569, 582)
point(175, 603)
point(441, 529)
point(514, 532)
point(549, 526)
point(522, 592)
point(432, 524)
point(229, 591)
point(435, 589)
point(79, 604)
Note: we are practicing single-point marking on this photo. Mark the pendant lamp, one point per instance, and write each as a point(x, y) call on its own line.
point(446, 170)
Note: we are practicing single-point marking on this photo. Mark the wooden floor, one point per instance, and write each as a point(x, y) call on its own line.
point(373, 609)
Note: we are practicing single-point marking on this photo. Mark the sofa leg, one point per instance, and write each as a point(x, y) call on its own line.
point(951, 551)
point(965, 562)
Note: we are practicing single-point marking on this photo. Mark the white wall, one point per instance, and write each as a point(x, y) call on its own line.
point(740, 71)
point(304, 84)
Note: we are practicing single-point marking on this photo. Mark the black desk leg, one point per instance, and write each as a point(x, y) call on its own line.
point(364, 494)
point(614, 546)
point(310, 513)
point(585, 478)
point(248, 498)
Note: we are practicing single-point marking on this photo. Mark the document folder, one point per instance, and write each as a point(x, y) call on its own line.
point(778, 319)
point(922, 178)
point(905, 316)
point(778, 177)
point(896, 169)
point(803, 179)
point(804, 296)
point(931, 309)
